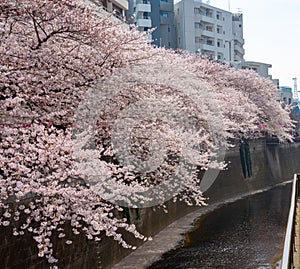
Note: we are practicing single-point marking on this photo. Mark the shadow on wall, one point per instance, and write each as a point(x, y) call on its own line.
point(245, 157)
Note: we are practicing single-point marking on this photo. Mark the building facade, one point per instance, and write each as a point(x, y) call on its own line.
point(156, 14)
point(207, 30)
point(262, 69)
point(285, 95)
point(119, 7)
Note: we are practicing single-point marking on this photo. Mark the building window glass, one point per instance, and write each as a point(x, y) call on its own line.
point(197, 25)
point(197, 10)
point(197, 39)
point(209, 28)
point(164, 14)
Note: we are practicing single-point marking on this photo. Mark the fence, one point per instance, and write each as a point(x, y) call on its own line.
point(289, 242)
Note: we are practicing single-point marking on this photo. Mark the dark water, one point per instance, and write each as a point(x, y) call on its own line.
point(246, 234)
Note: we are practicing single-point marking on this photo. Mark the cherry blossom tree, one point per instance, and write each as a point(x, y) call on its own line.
point(62, 58)
point(50, 53)
point(252, 105)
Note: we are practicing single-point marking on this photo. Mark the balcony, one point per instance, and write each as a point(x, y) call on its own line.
point(144, 22)
point(239, 40)
point(121, 3)
point(164, 6)
point(204, 18)
point(239, 49)
point(207, 47)
point(208, 33)
point(207, 52)
point(143, 8)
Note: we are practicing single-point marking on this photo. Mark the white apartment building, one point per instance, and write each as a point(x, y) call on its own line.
point(210, 31)
point(117, 6)
point(139, 13)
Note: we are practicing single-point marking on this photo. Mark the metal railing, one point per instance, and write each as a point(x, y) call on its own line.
point(289, 241)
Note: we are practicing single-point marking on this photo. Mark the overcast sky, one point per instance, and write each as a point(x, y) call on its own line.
point(271, 33)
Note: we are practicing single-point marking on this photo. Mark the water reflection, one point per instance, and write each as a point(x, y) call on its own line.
point(246, 234)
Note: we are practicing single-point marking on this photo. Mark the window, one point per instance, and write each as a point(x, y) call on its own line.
point(197, 25)
point(197, 10)
point(164, 1)
point(209, 42)
point(164, 14)
point(218, 44)
point(208, 13)
point(197, 39)
point(169, 30)
point(209, 28)
point(146, 15)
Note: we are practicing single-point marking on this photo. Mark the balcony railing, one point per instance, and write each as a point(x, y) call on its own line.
point(143, 7)
point(144, 22)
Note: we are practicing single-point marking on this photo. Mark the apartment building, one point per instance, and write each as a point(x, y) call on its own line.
point(119, 7)
point(158, 14)
point(207, 30)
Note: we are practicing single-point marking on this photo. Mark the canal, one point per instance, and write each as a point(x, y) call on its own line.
point(246, 234)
